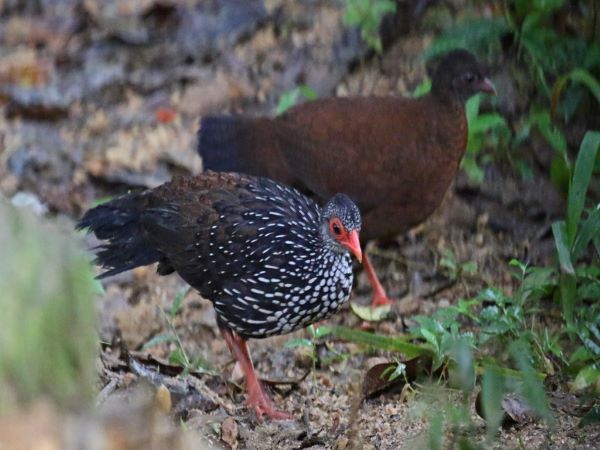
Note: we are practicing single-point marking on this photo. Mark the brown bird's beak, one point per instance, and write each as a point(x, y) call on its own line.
point(353, 244)
point(487, 86)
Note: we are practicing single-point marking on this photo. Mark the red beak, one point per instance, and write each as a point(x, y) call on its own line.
point(352, 242)
point(487, 86)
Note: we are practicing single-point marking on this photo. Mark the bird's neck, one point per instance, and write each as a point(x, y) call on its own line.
point(447, 98)
point(451, 126)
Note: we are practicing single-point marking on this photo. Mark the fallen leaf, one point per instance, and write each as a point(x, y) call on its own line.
point(162, 399)
point(369, 314)
point(587, 378)
point(342, 443)
point(385, 375)
point(229, 432)
point(515, 410)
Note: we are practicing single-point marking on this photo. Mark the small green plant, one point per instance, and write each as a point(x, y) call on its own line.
point(179, 355)
point(316, 333)
point(540, 119)
point(367, 15)
point(580, 228)
point(563, 64)
point(506, 342)
point(486, 130)
point(424, 87)
point(291, 97)
point(454, 269)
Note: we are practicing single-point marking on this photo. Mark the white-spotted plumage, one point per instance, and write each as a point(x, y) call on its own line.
point(293, 274)
point(269, 258)
point(262, 252)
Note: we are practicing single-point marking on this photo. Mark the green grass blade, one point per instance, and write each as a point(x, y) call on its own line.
point(299, 342)
point(589, 229)
point(562, 246)
point(485, 122)
point(577, 75)
point(157, 340)
point(176, 306)
point(568, 296)
point(472, 109)
point(492, 392)
point(291, 97)
point(580, 181)
point(394, 344)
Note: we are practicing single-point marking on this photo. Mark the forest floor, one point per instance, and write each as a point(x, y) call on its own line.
point(102, 97)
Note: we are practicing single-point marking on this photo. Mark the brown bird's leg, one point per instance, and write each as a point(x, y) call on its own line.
point(257, 397)
point(379, 298)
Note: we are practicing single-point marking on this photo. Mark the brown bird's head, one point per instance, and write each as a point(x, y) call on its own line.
point(458, 76)
point(341, 225)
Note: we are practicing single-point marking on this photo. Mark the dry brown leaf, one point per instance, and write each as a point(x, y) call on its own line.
point(229, 432)
point(162, 399)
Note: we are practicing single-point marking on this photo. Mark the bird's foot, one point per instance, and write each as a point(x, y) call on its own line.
point(263, 406)
point(380, 298)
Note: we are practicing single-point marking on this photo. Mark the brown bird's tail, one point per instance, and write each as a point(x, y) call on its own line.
point(244, 145)
point(119, 223)
point(221, 142)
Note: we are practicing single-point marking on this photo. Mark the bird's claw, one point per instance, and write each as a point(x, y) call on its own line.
point(262, 405)
point(380, 299)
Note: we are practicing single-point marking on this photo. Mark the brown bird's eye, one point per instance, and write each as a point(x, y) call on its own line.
point(469, 77)
point(335, 227)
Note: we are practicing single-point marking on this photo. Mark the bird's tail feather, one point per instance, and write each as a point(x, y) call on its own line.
point(220, 144)
point(118, 222)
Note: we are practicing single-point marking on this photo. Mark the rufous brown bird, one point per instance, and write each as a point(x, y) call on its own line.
point(394, 156)
point(269, 258)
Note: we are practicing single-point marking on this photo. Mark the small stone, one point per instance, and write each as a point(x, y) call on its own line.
point(303, 357)
point(162, 399)
point(325, 381)
point(342, 443)
point(229, 432)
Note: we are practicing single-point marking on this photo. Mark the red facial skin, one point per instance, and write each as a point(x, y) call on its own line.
point(348, 239)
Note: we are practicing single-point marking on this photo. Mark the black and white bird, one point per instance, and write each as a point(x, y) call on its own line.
point(269, 258)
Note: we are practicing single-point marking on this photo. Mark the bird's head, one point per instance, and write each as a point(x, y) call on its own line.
point(341, 225)
point(459, 75)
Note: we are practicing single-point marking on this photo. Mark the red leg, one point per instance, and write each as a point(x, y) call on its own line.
point(379, 298)
point(257, 397)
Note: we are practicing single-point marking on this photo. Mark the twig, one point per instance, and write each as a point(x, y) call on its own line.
point(203, 389)
point(275, 382)
point(179, 343)
point(106, 391)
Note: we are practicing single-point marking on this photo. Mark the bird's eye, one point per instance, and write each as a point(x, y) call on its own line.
point(468, 77)
point(336, 227)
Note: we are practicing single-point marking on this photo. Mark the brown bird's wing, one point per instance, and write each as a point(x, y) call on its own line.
point(242, 144)
point(381, 151)
point(373, 149)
